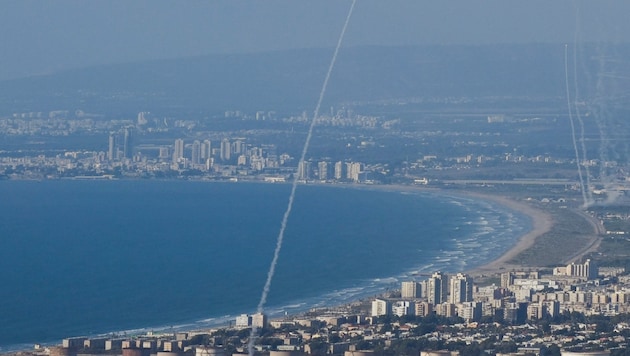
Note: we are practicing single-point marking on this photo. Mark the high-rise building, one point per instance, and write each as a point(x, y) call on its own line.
point(304, 170)
point(206, 150)
point(196, 152)
point(128, 143)
point(322, 169)
point(178, 152)
point(111, 151)
point(410, 290)
point(461, 288)
point(238, 147)
point(437, 288)
point(353, 170)
point(243, 321)
point(470, 311)
point(340, 170)
point(226, 150)
point(259, 320)
point(507, 279)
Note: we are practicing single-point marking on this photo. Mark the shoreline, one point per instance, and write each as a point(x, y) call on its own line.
point(541, 223)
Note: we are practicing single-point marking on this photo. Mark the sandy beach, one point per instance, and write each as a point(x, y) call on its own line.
point(541, 223)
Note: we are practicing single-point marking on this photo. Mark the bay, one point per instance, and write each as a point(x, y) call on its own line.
point(95, 257)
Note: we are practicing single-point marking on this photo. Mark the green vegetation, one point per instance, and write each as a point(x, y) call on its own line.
point(569, 235)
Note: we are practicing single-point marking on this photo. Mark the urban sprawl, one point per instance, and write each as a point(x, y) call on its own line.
point(578, 307)
point(529, 313)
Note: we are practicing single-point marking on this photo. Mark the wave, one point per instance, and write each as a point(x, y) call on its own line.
point(479, 233)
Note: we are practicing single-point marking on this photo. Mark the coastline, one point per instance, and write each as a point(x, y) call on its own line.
point(541, 222)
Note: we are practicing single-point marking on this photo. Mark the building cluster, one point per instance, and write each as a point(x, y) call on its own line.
point(440, 294)
point(136, 148)
point(522, 296)
point(228, 157)
point(177, 344)
point(522, 299)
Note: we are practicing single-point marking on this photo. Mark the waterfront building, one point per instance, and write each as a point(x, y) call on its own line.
point(411, 290)
point(111, 151)
point(353, 169)
point(304, 170)
point(178, 151)
point(73, 342)
point(437, 288)
point(206, 150)
point(196, 152)
point(322, 170)
point(243, 321)
point(461, 288)
point(226, 150)
point(339, 172)
point(128, 143)
point(259, 320)
point(381, 307)
point(238, 147)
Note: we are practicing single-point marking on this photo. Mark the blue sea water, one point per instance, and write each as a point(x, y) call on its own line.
point(95, 257)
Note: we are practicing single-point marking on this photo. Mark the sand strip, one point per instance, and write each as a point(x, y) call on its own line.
point(541, 222)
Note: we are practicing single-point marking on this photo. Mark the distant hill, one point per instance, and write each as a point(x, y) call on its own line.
point(291, 80)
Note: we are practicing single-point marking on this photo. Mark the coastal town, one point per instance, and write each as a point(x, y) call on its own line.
point(556, 292)
point(577, 309)
point(144, 189)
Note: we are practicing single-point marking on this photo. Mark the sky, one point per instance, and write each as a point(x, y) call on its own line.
point(40, 37)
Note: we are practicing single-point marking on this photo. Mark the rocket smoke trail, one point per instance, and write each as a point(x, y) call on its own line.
point(577, 154)
point(285, 218)
point(587, 189)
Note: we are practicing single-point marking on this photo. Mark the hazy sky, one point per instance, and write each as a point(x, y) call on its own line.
point(43, 36)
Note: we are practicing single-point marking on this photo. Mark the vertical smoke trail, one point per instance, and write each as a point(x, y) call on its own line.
point(577, 155)
point(285, 218)
point(602, 114)
point(589, 195)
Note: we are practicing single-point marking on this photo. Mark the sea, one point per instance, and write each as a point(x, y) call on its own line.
point(89, 258)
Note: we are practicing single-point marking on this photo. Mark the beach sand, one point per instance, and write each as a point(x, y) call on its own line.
point(541, 223)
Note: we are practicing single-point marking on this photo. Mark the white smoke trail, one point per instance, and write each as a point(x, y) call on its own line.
point(272, 268)
point(587, 188)
point(577, 155)
point(602, 114)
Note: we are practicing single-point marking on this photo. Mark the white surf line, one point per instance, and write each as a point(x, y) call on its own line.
point(272, 268)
